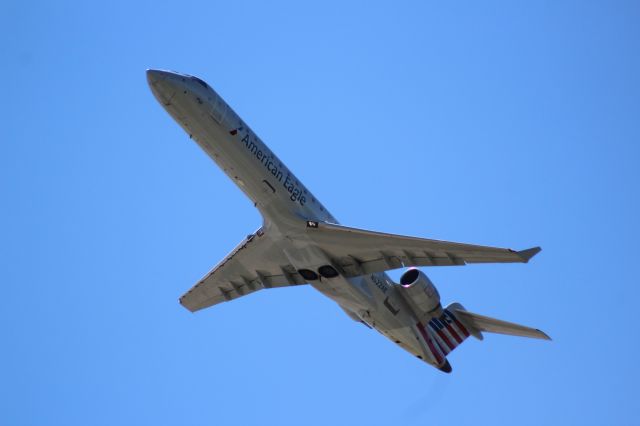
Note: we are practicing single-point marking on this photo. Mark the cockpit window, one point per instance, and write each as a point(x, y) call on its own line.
point(201, 82)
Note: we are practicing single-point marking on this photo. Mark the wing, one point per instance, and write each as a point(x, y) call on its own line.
point(359, 252)
point(253, 265)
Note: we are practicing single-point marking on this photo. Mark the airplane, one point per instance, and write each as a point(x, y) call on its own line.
point(300, 242)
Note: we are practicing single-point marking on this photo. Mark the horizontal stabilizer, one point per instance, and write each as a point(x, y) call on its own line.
point(492, 325)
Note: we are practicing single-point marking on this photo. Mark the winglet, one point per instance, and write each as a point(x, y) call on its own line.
point(527, 254)
point(543, 335)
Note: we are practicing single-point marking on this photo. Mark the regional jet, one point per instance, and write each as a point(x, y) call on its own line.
point(300, 242)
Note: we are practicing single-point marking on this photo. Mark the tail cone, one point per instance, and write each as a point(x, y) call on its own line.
point(446, 367)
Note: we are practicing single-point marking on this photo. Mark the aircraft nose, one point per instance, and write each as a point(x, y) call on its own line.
point(163, 84)
point(155, 76)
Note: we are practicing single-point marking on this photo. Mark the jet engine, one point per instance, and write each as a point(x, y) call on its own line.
point(419, 292)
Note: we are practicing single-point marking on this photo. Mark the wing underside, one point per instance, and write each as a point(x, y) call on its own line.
point(358, 251)
point(255, 264)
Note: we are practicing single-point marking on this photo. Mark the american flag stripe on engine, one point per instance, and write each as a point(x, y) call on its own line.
point(458, 324)
point(439, 328)
point(449, 344)
point(453, 332)
point(442, 348)
point(445, 339)
point(449, 331)
point(425, 335)
point(446, 321)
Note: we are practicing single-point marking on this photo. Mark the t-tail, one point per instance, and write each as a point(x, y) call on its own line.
point(440, 331)
point(446, 332)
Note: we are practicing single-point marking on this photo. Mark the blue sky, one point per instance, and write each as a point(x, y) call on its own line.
point(498, 123)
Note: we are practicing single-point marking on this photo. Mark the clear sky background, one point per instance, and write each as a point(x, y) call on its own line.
point(498, 123)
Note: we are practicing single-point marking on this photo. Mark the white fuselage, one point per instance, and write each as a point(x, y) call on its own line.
point(283, 201)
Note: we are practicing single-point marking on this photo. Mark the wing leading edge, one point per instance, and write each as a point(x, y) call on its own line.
point(359, 252)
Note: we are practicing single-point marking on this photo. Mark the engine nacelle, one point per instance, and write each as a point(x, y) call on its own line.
point(419, 292)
